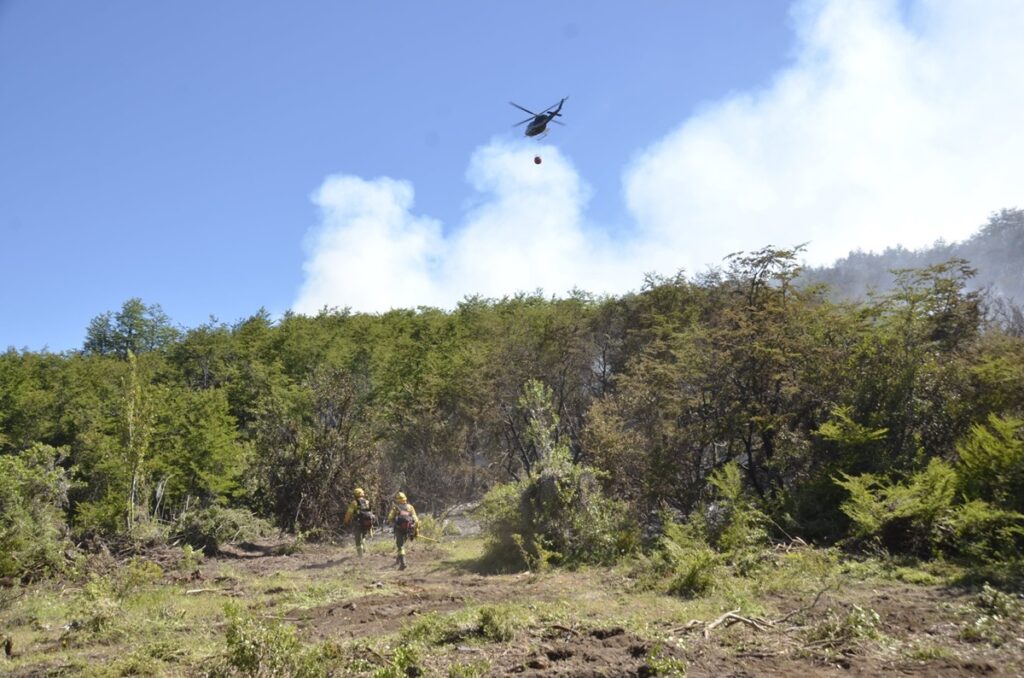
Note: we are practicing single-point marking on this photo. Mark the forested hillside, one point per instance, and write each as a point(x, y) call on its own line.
point(996, 251)
point(689, 442)
point(827, 411)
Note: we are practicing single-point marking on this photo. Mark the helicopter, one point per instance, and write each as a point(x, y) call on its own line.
point(539, 121)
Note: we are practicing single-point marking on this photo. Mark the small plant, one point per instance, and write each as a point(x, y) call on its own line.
point(837, 630)
point(96, 614)
point(404, 662)
point(436, 629)
point(266, 648)
point(929, 652)
point(696, 574)
point(659, 663)
point(984, 629)
point(500, 623)
point(474, 669)
point(915, 576)
point(137, 574)
point(998, 604)
point(685, 557)
point(294, 546)
point(190, 559)
point(428, 526)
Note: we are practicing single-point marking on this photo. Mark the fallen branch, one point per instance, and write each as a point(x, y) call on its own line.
point(756, 623)
point(730, 618)
point(223, 592)
point(709, 627)
point(805, 608)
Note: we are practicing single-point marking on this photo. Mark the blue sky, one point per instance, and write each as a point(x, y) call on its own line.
point(219, 157)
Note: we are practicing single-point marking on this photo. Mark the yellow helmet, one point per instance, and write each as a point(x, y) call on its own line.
point(400, 497)
point(359, 492)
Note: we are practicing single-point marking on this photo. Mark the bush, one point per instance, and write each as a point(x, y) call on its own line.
point(209, 528)
point(559, 516)
point(500, 623)
point(266, 648)
point(903, 517)
point(840, 629)
point(733, 524)
point(696, 574)
point(984, 533)
point(33, 494)
point(96, 614)
point(433, 628)
point(992, 462)
point(684, 554)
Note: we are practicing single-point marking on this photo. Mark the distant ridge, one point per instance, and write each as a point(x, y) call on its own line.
point(996, 251)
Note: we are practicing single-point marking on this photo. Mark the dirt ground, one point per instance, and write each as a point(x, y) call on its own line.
point(919, 629)
point(591, 622)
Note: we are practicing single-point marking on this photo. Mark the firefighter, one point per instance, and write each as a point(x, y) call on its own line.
point(403, 517)
point(359, 511)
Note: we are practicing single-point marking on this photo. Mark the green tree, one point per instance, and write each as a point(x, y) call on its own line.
point(196, 455)
point(136, 328)
point(311, 449)
point(33, 495)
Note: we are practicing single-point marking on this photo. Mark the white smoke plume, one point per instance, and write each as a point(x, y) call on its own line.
point(896, 123)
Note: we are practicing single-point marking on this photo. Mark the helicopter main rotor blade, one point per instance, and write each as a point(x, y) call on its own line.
point(521, 122)
point(525, 110)
point(558, 122)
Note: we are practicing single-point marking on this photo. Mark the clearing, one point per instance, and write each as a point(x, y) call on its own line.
point(805, 613)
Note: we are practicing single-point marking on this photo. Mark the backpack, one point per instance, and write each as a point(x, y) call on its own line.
point(404, 522)
point(364, 515)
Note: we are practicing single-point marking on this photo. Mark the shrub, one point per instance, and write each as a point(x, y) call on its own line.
point(95, 614)
point(904, 517)
point(473, 669)
point(33, 494)
point(733, 524)
point(559, 516)
point(404, 662)
point(683, 557)
point(190, 559)
point(137, 574)
point(985, 533)
point(693, 563)
point(695, 575)
point(258, 647)
point(500, 623)
point(436, 629)
point(992, 462)
point(995, 602)
point(838, 629)
point(209, 528)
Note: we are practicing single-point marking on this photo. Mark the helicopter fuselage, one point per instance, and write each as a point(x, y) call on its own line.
point(538, 126)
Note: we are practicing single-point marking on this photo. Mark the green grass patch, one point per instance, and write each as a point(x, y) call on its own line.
point(928, 652)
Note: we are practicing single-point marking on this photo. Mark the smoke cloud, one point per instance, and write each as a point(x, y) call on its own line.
point(895, 123)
